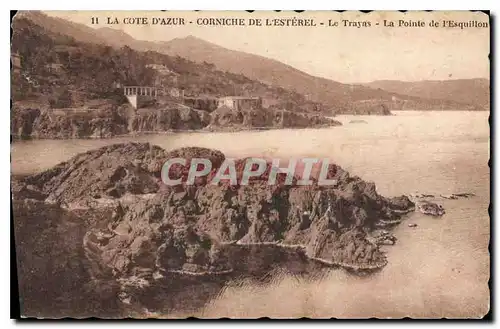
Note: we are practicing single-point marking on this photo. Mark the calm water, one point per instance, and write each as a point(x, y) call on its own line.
point(439, 269)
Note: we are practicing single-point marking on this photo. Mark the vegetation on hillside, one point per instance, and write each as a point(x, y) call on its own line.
point(63, 72)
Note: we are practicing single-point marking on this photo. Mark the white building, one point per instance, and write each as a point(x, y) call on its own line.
point(240, 102)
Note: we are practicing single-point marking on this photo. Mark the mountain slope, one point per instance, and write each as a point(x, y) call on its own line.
point(77, 31)
point(87, 71)
point(336, 97)
point(347, 98)
point(466, 91)
point(272, 72)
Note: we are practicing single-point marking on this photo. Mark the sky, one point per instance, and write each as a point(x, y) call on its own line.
point(344, 54)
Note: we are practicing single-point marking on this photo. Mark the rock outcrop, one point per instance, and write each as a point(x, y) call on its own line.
point(22, 121)
point(357, 121)
point(374, 107)
point(43, 122)
point(455, 196)
point(171, 119)
point(135, 233)
point(224, 118)
point(53, 272)
point(65, 123)
point(430, 208)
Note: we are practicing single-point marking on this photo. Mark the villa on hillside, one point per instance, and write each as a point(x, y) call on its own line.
point(240, 102)
point(139, 96)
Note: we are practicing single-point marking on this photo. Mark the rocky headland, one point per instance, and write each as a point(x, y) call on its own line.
point(38, 121)
point(101, 234)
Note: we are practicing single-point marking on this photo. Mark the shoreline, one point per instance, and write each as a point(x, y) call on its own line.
point(294, 247)
point(302, 248)
point(15, 138)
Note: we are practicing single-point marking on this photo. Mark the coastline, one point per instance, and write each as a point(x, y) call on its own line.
point(228, 130)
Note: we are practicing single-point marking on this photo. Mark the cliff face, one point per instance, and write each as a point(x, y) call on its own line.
point(73, 125)
point(133, 234)
point(83, 123)
point(22, 121)
point(227, 118)
point(39, 122)
point(53, 272)
point(169, 119)
point(375, 107)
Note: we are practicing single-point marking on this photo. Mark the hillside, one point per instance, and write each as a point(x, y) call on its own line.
point(66, 88)
point(346, 98)
point(466, 91)
point(334, 97)
point(273, 72)
point(62, 71)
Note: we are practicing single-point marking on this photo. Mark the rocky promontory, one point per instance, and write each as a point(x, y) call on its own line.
point(111, 219)
point(34, 120)
point(224, 118)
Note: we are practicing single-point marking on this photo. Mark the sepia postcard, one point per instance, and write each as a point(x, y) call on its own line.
point(248, 164)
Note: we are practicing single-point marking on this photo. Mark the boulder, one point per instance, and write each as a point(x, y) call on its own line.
point(431, 208)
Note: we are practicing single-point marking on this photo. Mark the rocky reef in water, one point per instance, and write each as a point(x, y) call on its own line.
point(358, 121)
point(111, 238)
